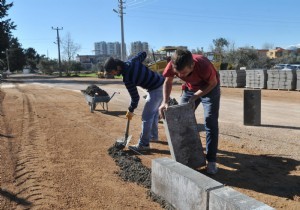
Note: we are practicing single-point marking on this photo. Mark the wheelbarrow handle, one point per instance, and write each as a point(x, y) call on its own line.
point(114, 94)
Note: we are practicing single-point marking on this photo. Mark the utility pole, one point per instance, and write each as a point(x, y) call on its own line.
point(121, 13)
point(58, 46)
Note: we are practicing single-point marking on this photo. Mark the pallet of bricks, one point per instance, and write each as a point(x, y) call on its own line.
point(256, 78)
point(282, 79)
point(232, 78)
point(298, 80)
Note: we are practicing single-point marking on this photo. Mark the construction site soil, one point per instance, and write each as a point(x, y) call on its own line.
point(56, 154)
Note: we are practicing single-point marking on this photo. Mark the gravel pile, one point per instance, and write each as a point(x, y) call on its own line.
point(133, 170)
point(93, 90)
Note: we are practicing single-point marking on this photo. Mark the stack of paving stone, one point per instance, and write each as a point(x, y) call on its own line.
point(232, 78)
point(223, 75)
point(282, 79)
point(273, 78)
point(256, 78)
point(298, 80)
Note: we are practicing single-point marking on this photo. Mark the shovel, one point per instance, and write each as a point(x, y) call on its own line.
point(123, 142)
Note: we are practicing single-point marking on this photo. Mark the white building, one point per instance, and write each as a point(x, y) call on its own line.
point(100, 48)
point(108, 48)
point(139, 46)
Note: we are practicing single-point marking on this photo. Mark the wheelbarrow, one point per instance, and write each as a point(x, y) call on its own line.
point(93, 101)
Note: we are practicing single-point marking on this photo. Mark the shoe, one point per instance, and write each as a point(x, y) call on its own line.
point(154, 140)
point(212, 168)
point(139, 147)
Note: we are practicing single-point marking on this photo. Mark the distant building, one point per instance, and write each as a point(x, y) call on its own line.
point(275, 53)
point(108, 49)
point(100, 48)
point(88, 61)
point(262, 52)
point(139, 46)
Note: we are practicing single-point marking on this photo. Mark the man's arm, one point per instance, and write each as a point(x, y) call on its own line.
point(141, 56)
point(211, 84)
point(134, 95)
point(167, 88)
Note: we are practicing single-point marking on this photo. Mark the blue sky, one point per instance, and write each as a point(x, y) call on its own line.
point(191, 23)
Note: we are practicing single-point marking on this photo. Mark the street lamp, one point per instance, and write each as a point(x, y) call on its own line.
point(120, 12)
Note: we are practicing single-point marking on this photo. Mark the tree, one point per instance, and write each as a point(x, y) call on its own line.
point(70, 49)
point(16, 56)
point(32, 58)
point(6, 26)
point(47, 66)
point(76, 67)
point(219, 44)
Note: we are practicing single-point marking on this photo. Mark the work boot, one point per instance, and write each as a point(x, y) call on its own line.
point(211, 168)
point(139, 147)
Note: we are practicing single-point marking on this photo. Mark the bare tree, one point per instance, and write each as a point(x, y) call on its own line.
point(70, 49)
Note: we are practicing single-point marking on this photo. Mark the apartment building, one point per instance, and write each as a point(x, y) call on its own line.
point(139, 46)
point(100, 48)
point(108, 49)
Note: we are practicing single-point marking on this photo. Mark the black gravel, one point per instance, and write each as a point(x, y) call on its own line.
point(94, 89)
point(132, 170)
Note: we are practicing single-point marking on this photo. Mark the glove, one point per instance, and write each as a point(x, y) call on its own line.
point(129, 115)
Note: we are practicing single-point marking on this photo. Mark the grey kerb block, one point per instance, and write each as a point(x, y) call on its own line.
point(183, 136)
point(228, 198)
point(180, 185)
point(186, 189)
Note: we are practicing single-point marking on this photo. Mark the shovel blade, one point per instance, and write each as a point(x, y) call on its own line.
point(122, 143)
point(128, 140)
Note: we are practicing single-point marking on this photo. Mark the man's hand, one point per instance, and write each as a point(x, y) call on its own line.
point(192, 100)
point(162, 108)
point(129, 115)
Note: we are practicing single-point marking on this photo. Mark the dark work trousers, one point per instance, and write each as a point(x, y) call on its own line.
point(211, 105)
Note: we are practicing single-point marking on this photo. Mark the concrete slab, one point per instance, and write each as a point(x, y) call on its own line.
point(183, 136)
point(230, 199)
point(180, 185)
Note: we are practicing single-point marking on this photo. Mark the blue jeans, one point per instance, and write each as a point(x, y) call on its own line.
point(150, 116)
point(211, 105)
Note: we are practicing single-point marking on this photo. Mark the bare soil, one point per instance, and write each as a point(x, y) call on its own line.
point(55, 154)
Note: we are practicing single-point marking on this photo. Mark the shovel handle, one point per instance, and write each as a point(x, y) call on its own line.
point(127, 129)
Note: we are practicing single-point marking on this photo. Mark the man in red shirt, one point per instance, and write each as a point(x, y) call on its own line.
point(202, 85)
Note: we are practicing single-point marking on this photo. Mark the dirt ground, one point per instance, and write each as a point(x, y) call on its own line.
point(54, 152)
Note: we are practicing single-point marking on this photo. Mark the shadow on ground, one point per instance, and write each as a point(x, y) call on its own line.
point(6, 136)
point(113, 113)
point(14, 198)
point(264, 173)
point(280, 126)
